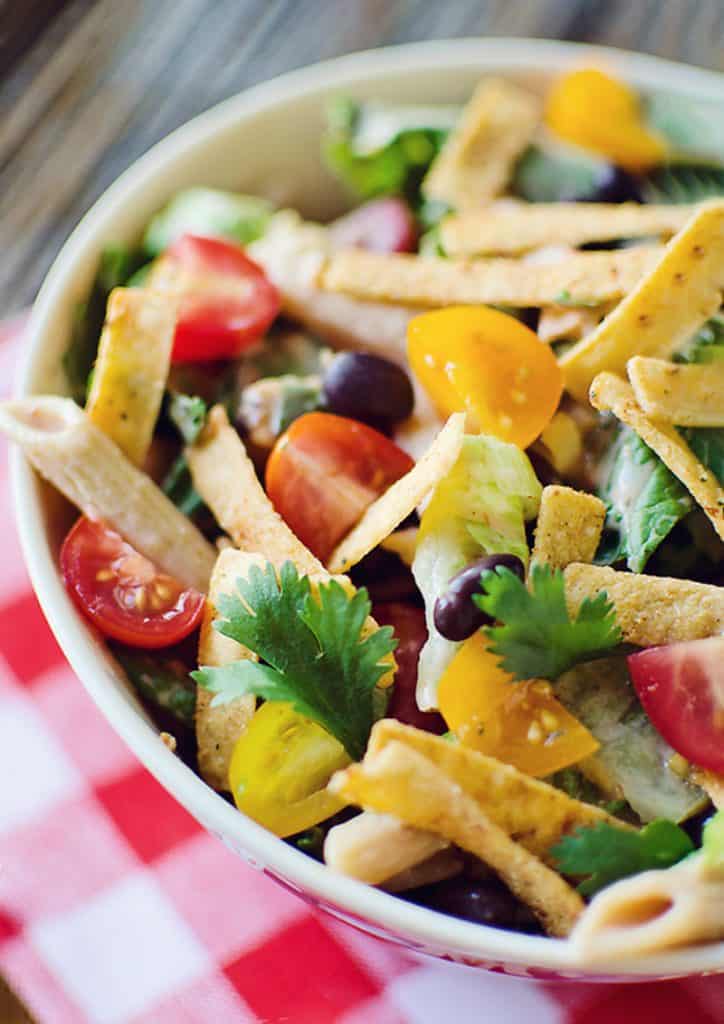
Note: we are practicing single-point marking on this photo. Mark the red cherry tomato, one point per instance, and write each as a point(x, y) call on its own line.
point(324, 472)
point(227, 301)
point(681, 687)
point(408, 623)
point(382, 225)
point(123, 593)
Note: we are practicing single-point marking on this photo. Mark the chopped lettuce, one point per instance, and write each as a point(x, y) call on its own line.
point(713, 841)
point(162, 681)
point(633, 760)
point(550, 176)
point(480, 508)
point(707, 443)
point(208, 211)
point(682, 183)
point(707, 345)
point(645, 501)
point(692, 127)
point(377, 149)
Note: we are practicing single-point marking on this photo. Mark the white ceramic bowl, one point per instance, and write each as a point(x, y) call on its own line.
point(267, 140)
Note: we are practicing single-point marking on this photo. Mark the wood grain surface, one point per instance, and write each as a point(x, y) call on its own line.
point(86, 87)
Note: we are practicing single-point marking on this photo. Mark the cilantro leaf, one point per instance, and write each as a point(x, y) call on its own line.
point(606, 853)
point(315, 655)
point(537, 638)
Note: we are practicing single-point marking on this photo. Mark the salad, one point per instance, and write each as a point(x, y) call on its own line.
point(408, 528)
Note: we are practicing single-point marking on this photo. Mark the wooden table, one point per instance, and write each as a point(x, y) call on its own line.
point(87, 86)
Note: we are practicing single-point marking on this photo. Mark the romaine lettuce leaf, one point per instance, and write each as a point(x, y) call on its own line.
point(645, 501)
point(480, 508)
point(707, 443)
point(693, 127)
point(707, 345)
point(377, 149)
point(713, 841)
point(208, 211)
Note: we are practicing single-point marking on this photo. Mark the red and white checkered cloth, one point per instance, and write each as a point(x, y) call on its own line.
point(116, 906)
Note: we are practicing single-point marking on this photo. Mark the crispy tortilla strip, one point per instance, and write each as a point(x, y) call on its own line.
point(558, 323)
point(526, 226)
point(398, 780)
point(711, 783)
point(218, 728)
point(675, 297)
point(375, 847)
point(530, 811)
point(610, 393)
point(134, 356)
point(225, 477)
point(569, 527)
point(650, 609)
point(688, 395)
point(92, 472)
point(478, 157)
point(402, 278)
point(651, 912)
point(291, 253)
point(402, 498)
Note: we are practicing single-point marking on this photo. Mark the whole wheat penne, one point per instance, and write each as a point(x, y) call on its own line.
point(524, 226)
point(224, 476)
point(654, 911)
point(219, 727)
point(413, 280)
point(678, 293)
point(479, 154)
point(375, 847)
point(91, 471)
point(611, 394)
point(569, 527)
point(650, 610)
point(688, 395)
point(401, 781)
point(130, 373)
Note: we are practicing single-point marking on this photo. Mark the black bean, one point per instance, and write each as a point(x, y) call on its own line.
point(456, 616)
point(368, 388)
point(486, 901)
point(614, 185)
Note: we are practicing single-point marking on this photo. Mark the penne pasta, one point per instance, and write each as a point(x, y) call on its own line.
point(130, 373)
point(518, 228)
point(478, 157)
point(584, 278)
point(91, 471)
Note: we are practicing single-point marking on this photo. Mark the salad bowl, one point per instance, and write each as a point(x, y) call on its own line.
point(266, 141)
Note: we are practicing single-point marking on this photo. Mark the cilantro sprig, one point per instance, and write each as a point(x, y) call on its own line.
point(312, 645)
point(537, 638)
point(605, 853)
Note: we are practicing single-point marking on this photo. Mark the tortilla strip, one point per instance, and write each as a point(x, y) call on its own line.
point(445, 864)
point(477, 159)
point(526, 226)
point(529, 810)
point(291, 253)
point(610, 393)
point(218, 728)
point(676, 296)
point(569, 527)
point(398, 780)
point(711, 783)
point(402, 543)
point(653, 911)
point(688, 395)
point(402, 498)
point(558, 323)
point(650, 609)
point(224, 476)
point(412, 280)
point(134, 356)
point(375, 847)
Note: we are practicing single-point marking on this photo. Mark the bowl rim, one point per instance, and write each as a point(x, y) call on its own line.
point(354, 901)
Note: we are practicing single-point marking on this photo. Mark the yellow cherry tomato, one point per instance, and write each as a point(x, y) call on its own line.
point(597, 112)
point(520, 723)
point(483, 362)
point(280, 767)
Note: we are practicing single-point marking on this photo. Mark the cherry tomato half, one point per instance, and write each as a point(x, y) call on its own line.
point(123, 593)
point(408, 623)
point(323, 473)
point(483, 362)
point(227, 301)
point(681, 687)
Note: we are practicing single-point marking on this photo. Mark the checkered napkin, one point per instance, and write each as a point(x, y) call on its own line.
point(116, 906)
